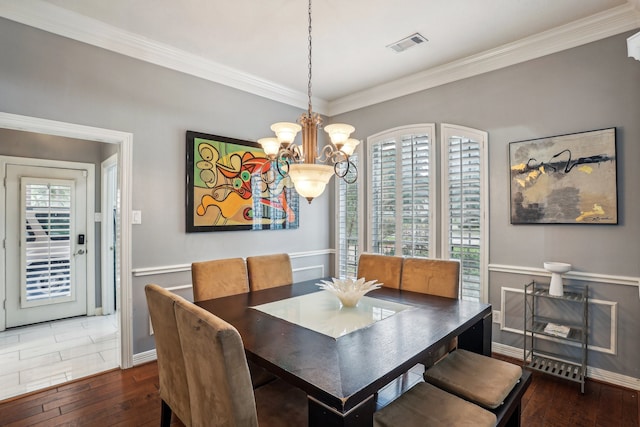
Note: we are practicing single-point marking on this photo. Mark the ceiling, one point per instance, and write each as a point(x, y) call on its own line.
point(261, 46)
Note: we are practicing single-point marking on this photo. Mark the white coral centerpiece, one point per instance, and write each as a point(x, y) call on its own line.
point(349, 291)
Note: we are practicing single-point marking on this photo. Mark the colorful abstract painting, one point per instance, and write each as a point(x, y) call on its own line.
point(566, 179)
point(226, 189)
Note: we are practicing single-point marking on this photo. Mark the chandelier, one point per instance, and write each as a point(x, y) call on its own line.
point(299, 161)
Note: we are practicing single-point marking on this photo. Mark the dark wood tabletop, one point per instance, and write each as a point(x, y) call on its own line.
point(344, 372)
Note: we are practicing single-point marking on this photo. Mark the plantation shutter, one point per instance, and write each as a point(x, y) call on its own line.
point(348, 224)
point(464, 201)
point(401, 187)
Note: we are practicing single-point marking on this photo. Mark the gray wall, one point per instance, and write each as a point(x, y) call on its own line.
point(590, 87)
point(47, 76)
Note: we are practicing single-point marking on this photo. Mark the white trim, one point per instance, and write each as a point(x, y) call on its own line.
point(613, 320)
point(572, 275)
point(179, 268)
point(596, 27)
point(593, 373)
point(125, 141)
point(144, 357)
point(105, 227)
point(57, 20)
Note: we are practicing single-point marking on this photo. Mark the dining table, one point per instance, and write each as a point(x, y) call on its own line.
point(342, 356)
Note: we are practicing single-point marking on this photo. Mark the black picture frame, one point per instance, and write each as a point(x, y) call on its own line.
point(225, 189)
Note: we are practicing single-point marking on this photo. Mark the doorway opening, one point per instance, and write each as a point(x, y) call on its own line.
point(119, 298)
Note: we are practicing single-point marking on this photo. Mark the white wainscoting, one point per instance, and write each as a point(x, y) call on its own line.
point(613, 319)
point(594, 373)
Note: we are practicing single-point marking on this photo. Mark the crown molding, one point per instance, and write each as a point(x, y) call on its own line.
point(54, 19)
point(596, 27)
point(57, 20)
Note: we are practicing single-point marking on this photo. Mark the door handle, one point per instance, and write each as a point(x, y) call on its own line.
point(79, 252)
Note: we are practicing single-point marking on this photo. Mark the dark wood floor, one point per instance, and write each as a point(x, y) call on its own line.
point(130, 398)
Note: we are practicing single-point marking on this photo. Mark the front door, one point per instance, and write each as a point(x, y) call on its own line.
point(46, 256)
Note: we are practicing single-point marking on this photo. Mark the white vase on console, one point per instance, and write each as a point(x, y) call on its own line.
point(556, 269)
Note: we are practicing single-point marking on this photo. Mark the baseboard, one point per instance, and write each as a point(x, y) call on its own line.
point(144, 357)
point(598, 374)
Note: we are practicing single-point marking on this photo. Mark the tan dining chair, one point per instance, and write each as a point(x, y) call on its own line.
point(219, 278)
point(218, 377)
point(269, 271)
point(174, 391)
point(474, 377)
point(431, 276)
point(426, 405)
point(385, 269)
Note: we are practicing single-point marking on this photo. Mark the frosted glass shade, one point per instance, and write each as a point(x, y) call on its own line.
point(271, 146)
point(310, 180)
point(339, 132)
point(350, 146)
point(285, 131)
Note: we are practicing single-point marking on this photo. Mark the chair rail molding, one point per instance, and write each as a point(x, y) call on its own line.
point(179, 268)
point(572, 275)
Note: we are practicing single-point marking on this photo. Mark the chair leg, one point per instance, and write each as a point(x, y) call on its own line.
point(165, 415)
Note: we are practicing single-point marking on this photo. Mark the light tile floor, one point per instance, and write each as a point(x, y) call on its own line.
point(42, 355)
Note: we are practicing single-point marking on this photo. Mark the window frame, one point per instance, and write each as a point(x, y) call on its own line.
point(397, 134)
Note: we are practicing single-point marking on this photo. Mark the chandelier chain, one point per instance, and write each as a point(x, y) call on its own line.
point(309, 84)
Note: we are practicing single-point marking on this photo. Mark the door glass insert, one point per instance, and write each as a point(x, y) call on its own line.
point(46, 241)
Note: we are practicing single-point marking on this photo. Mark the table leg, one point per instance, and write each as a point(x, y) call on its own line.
point(478, 337)
point(321, 415)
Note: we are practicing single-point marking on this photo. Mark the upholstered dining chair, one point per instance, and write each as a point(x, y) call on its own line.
point(431, 276)
point(218, 377)
point(269, 271)
point(474, 377)
point(385, 269)
point(174, 390)
point(426, 405)
point(219, 278)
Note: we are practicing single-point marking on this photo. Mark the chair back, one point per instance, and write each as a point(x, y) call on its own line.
point(385, 269)
point(174, 390)
point(217, 372)
point(269, 271)
point(431, 276)
point(219, 278)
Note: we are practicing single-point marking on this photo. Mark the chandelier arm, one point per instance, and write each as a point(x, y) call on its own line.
point(351, 166)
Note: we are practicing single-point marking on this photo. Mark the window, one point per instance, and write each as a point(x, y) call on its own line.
point(349, 235)
point(408, 201)
point(401, 182)
point(47, 231)
point(463, 215)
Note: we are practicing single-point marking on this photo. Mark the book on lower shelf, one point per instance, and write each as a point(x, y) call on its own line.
point(557, 330)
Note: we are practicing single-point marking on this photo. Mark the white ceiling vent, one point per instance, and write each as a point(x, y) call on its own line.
point(407, 42)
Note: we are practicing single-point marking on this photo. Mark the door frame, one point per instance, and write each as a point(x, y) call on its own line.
point(90, 225)
point(124, 140)
point(105, 230)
